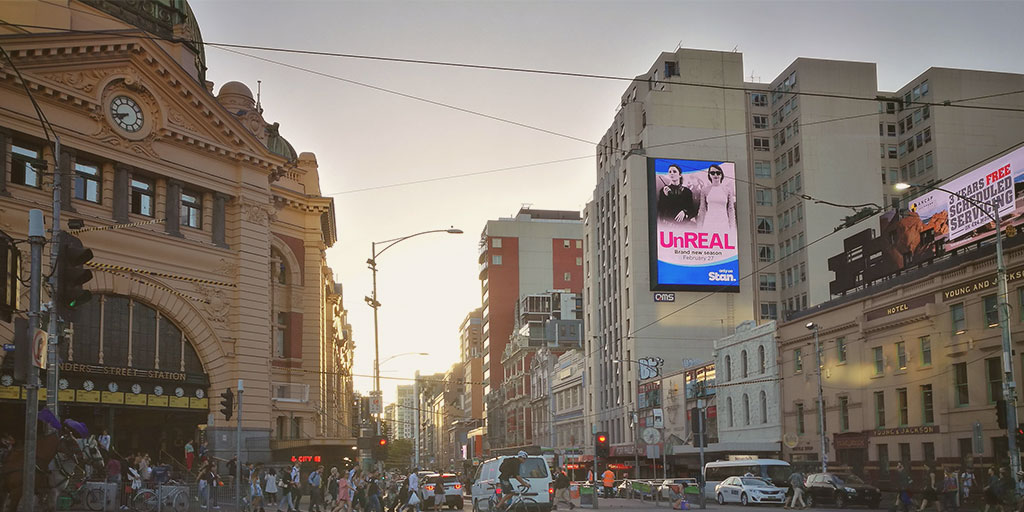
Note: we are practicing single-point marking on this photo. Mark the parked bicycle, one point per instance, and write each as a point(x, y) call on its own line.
point(81, 493)
point(171, 496)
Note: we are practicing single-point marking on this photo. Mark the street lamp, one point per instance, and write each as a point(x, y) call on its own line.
point(821, 402)
point(382, 363)
point(1009, 385)
point(375, 304)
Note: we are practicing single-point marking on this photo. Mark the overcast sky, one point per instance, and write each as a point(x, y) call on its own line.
point(369, 139)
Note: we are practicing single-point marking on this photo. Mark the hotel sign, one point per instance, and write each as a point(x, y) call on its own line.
point(906, 431)
point(900, 307)
point(986, 283)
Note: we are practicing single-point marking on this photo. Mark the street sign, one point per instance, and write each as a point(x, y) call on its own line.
point(375, 405)
point(39, 349)
point(978, 441)
point(8, 347)
point(653, 451)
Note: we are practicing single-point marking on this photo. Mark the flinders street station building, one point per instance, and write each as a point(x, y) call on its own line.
point(209, 232)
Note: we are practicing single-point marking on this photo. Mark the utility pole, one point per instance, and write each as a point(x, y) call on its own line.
point(1009, 385)
point(36, 238)
point(700, 431)
point(238, 448)
point(636, 442)
point(416, 415)
point(52, 368)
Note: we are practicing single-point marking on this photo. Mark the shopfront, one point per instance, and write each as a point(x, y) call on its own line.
point(127, 368)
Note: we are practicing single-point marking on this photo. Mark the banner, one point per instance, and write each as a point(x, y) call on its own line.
point(692, 219)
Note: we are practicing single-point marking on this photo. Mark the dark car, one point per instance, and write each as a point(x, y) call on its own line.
point(840, 490)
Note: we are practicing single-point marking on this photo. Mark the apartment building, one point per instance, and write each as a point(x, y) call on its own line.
point(405, 412)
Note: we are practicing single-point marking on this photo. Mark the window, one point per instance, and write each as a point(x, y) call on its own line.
point(281, 335)
point(567, 276)
point(960, 384)
point(769, 311)
point(766, 253)
point(496, 243)
point(761, 362)
point(579, 263)
point(883, 458)
point(764, 407)
point(803, 272)
point(191, 209)
point(759, 100)
point(565, 244)
point(26, 162)
point(743, 363)
point(926, 351)
point(728, 407)
point(798, 362)
point(905, 454)
point(991, 311)
point(496, 259)
point(879, 409)
point(762, 169)
point(892, 152)
point(844, 413)
point(143, 194)
point(901, 403)
point(764, 225)
point(800, 418)
point(746, 409)
point(764, 196)
point(760, 121)
point(927, 409)
point(87, 182)
point(761, 144)
point(728, 368)
point(879, 360)
point(901, 355)
point(671, 69)
point(956, 313)
point(841, 349)
point(929, 452)
point(767, 282)
point(994, 377)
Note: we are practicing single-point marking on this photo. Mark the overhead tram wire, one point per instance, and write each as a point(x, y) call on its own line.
point(484, 67)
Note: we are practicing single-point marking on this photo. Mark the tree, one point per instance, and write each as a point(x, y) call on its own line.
point(400, 453)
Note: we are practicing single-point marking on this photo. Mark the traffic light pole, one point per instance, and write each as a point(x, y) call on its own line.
point(36, 239)
point(52, 367)
point(238, 448)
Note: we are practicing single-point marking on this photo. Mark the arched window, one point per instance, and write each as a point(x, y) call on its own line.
point(278, 267)
point(743, 363)
point(746, 409)
point(728, 368)
point(761, 363)
point(764, 407)
point(728, 407)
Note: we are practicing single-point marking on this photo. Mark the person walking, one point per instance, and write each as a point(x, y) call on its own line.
point(903, 482)
point(190, 454)
point(966, 483)
point(414, 490)
point(950, 486)
point(255, 492)
point(930, 493)
point(343, 503)
point(270, 488)
point(562, 490)
point(314, 481)
point(608, 481)
point(796, 482)
point(991, 491)
point(373, 493)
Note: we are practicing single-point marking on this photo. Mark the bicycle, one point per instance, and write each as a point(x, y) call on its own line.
point(149, 500)
point(519, 502)
point(80, 492)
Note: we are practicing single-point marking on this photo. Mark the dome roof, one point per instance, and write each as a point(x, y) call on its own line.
point(236, 96)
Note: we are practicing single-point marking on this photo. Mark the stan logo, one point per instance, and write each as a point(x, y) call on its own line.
point(717, 276)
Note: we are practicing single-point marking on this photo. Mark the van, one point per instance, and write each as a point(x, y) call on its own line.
point(534, 470)
point(774, 471)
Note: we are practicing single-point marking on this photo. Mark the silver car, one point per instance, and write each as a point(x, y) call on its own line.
point(746, 490)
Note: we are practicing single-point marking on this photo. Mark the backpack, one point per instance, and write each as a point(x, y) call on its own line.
point(506, 467)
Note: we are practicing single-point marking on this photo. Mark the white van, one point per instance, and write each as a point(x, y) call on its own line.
point(773, 470)
point(534, 470)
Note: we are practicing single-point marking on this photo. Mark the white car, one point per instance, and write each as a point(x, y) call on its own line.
point(534, 469)
point(746, 490)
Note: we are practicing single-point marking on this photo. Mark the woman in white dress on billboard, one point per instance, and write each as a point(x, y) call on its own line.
point(718, 204)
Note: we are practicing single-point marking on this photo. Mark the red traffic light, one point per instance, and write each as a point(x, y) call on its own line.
point(382, 442)
point(602, 439)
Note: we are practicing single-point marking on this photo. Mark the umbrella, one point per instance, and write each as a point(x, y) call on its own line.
point(77, 426)
point(47, 416)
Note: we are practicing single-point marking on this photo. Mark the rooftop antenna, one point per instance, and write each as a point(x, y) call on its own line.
point(679, 45)
point(259, 88)
point(735, 49)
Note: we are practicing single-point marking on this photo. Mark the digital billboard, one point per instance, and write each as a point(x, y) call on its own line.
point(692, 218)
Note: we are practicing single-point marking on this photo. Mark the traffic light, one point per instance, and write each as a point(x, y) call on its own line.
point(227, 404)
point(601, 447)
point(10, 272)
point(380, 448)
point(22, 350)
point(1020, 435)
point(695, 428)
point(1001, 413)
point(71, 258)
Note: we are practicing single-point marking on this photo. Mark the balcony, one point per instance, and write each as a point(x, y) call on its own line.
point(483, 270)
point(287, 392)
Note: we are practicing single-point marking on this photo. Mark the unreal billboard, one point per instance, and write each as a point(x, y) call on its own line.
point(692, 218)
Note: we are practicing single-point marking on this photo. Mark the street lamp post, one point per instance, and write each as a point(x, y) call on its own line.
point(821, 402)
point(373, 303)
point(1009, 385)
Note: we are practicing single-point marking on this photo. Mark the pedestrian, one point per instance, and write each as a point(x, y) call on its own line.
point(796, 482)
point(949, 490)
point(562, 490)
point(331, 494)
point(343, 502)
point(190, 454)
point(270, 488)
point(104, 441)
point(438, 492)
point(966, 483)
point(373, 493)
point(296, 485)
point(204, 451)
point(991, 491)
point(414, 490)
point(255, 492)
point(287, 499)
point(314, 480)
point(608, 480)
point(903, 482)
point(930, 492)
point(1008, 489)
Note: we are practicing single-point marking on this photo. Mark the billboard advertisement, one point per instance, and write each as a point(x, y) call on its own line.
point(934, 223)
point(692, 217)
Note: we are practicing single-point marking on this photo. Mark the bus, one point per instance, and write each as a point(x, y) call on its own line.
point(775, 471)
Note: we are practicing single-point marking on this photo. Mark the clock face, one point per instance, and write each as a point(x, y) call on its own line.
point(88, 385)
point(158, 390)
point(63, 383)
point(200, 393)
point(651, 435)
point(178, 392)
point(136, 389)
point(127, 114)
point(112, 387)
point(6, 380)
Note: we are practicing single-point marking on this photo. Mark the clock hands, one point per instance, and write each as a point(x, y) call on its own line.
point(120, 115)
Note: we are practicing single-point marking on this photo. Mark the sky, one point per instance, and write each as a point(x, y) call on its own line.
point(371, 144)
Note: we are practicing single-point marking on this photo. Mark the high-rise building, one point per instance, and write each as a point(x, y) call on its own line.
point(790, 150)
point(533, 252)
point(405, 412)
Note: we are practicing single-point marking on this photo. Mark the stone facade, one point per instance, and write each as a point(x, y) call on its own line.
point(748, 389)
